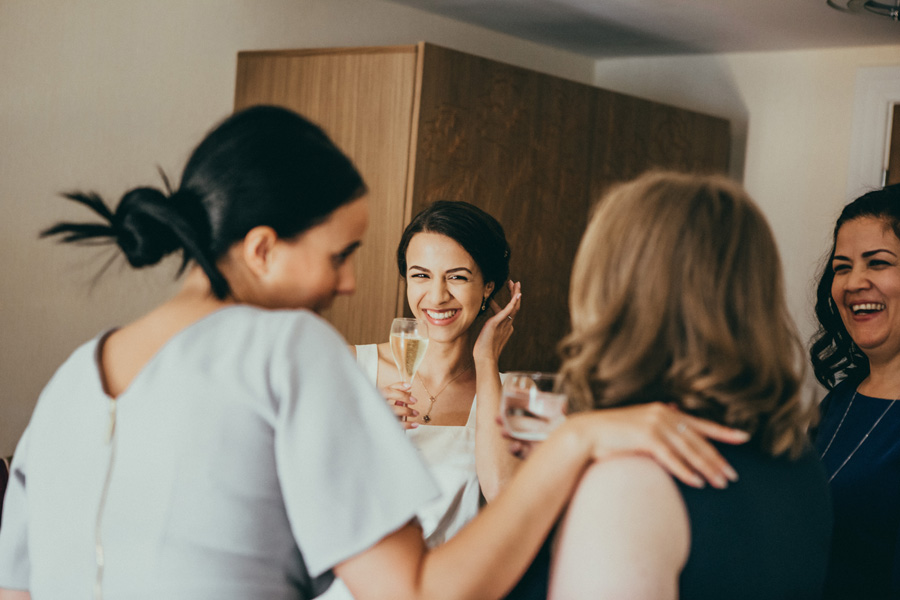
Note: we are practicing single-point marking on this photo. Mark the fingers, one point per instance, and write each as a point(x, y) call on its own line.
point(400, 387)
point(716, 431)
point(687, 436)
point(672, 462)
point(509, 311)
point(700, 457)
point(400, 400)
point(666, 434)
point(404, 412)
point(518, 448)
point(497, 330)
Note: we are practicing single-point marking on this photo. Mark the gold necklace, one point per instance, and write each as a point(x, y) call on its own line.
point(433, 398)
point(864, 438)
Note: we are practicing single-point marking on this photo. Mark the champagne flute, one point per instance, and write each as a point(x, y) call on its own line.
point(531, 405)
point(409, 340)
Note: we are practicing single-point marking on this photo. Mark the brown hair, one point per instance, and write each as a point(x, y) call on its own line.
point(677, 295)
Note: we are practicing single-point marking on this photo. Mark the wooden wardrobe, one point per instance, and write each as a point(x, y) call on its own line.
point(424, 123)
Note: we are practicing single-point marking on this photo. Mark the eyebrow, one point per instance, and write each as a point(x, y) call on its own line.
point(865, 254)
point(350, 249)
point(453, 270)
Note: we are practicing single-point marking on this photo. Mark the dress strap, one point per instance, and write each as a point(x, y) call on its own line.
point(367, 359)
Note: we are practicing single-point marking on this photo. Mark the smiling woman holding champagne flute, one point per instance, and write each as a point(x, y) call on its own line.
point(454, 258)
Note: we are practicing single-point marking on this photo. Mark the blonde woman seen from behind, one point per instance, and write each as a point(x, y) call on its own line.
point(677, 294)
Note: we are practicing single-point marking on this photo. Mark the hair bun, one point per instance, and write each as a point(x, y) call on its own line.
point(141, 226)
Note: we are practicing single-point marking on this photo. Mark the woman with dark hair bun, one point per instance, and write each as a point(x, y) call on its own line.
point(195, 453)
point(856, 356)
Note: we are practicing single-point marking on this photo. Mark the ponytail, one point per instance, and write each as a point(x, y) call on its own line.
point(148, 225)
point(263, 166)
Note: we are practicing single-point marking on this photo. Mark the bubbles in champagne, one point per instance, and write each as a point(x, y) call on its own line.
point(408, 353)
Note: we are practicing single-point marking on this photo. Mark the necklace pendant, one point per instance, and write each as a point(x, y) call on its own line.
point(426, 418)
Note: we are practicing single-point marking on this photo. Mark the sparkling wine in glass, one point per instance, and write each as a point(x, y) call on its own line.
point(409, 340)
point(531, 405)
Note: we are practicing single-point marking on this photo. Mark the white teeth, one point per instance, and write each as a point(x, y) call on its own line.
point(437, 316)
point(868, 307)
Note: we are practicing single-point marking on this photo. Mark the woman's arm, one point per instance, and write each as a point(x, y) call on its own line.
point(487, 557)
point(625, 534)
point(14, 595)
point(493, 462)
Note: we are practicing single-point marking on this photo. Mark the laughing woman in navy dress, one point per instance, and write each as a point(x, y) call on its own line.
point(856, 355)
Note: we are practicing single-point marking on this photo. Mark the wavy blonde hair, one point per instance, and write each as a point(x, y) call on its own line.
point(677, 295)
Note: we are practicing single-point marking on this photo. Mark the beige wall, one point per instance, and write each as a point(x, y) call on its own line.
point(792, 116)
point(95, 93)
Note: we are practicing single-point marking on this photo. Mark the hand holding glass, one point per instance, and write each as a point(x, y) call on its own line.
point(531, 405)
point(409, 340)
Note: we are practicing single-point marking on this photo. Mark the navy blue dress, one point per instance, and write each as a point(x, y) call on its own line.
point(865, 490)
point(765, 537)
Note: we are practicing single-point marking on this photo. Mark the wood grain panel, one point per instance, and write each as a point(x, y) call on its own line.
point(893, 170)
point(364, 99)
point(425, 123)
point(515, 143)
point(633, 135)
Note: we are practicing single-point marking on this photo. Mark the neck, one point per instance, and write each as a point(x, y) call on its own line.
point(195, 296)
point(883, 380)
point(445, 360)
point(196, 288)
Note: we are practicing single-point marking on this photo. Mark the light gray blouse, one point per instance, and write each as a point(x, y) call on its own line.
point(250, 456)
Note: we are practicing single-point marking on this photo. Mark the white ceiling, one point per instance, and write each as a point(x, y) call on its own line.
point(607, 28)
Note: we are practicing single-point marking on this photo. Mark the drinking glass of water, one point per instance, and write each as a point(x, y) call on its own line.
point(531, 405)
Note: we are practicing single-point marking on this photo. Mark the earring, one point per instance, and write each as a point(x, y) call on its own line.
point(483, 304)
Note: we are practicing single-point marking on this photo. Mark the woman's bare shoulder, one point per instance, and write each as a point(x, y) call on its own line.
point(626, 529)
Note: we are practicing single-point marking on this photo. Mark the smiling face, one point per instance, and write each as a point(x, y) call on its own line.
point(310, 270)
point(444, 285)
point(866, 286)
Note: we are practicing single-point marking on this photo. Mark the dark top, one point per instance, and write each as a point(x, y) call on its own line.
point(536, 581)
point(765, 536)
point(864, 559)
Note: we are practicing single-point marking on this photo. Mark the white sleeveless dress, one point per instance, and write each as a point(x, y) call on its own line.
point(449, 452)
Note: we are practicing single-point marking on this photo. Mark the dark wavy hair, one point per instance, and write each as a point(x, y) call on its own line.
point(265, 165)
point(833, 354)
point(480, 234)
